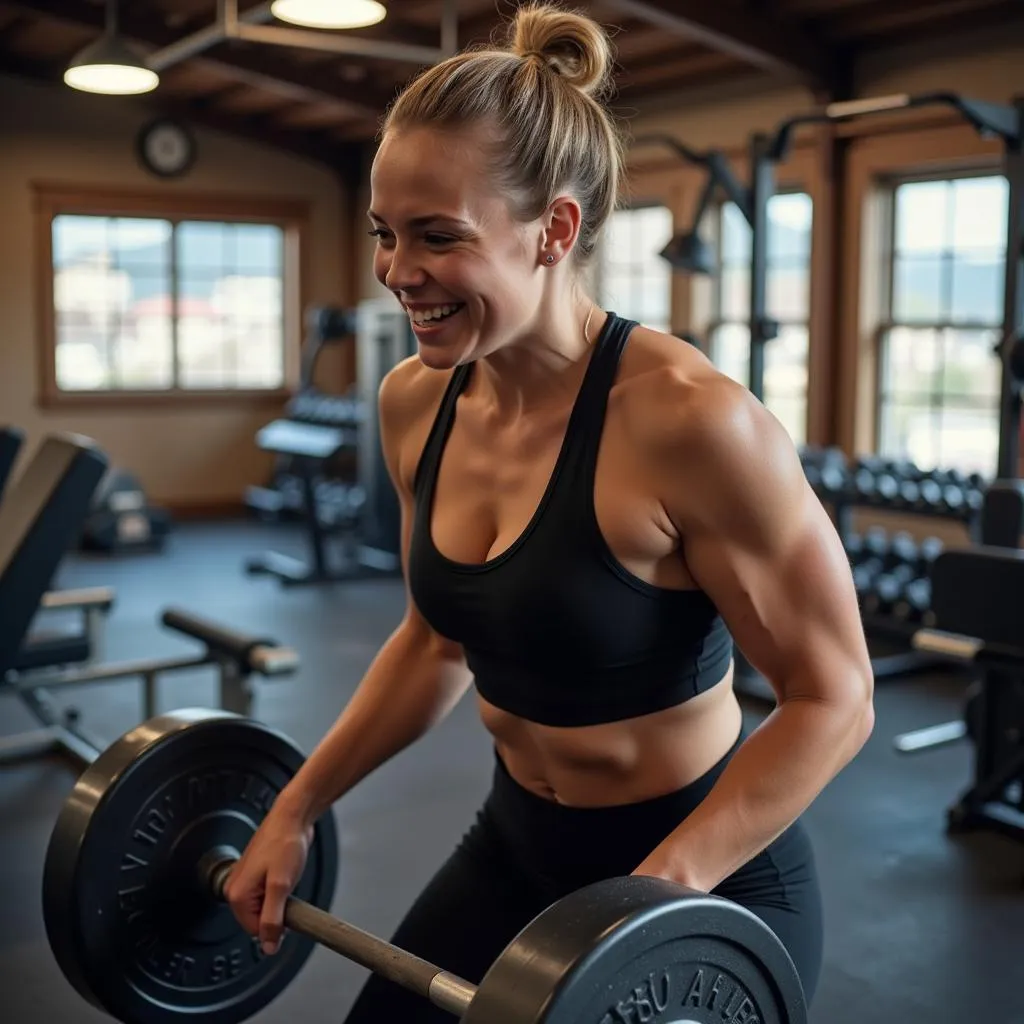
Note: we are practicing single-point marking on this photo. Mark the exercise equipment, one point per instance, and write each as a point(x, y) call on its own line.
point(39, 518)
point(122, 519)
point(979, 623)
point(132, 901)
point(361, 513)
point(11, 440)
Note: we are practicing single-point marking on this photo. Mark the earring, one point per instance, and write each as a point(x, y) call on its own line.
point(549, 258)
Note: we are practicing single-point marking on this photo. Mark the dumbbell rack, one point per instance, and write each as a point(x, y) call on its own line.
point(890, 620)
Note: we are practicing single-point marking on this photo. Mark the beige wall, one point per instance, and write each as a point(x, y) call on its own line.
point(185, 455)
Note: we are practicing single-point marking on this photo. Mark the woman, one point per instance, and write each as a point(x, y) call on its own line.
point(590, 513)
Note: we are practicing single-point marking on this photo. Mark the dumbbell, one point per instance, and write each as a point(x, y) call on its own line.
point(915, 600)
point(887, 590)
point(928, 550)
point(903, 550)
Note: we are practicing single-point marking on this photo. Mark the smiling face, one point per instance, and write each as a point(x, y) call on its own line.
point(470, 274)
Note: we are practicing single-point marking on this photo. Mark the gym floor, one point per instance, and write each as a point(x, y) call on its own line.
point(920, 926)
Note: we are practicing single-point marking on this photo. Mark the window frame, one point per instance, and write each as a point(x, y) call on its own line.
point(292, 216)
point(887, 186)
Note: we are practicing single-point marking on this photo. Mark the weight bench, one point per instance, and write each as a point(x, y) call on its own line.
point(978, 603)
point(235, 656)
point(309, 445)
point(39, 519)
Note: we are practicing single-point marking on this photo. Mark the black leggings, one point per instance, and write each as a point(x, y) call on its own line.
point(524, 852)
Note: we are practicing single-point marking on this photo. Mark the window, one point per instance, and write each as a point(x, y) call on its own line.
point(632, 279)
point(171, 304)
point(788, 300)
point(939, 381)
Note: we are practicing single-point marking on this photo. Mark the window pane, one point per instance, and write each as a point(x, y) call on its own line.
point(911, 363)
point(967, 439)
point(788, 292)
point(980, 213)
point(785, 379)
point(735, 236)
point(972, 369)
point(635, 281)
point(144, 354)
point(789, 226)
point(907, 431)
point(730, 351)
point(78, 240)
point(917, 289)
point(735, 298)
point(978, 281)
point(202, 244)
point(922, 216)
point(230, 305)
point(259, 248)
point(140, 243)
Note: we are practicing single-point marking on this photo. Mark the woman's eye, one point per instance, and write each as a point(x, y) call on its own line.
point(434, 239)
point(378, 233)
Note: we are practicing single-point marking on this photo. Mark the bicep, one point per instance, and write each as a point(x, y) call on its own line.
point(788, 599)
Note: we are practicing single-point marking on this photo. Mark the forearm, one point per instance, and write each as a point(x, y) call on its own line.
point(412, 684)
point(770, 781)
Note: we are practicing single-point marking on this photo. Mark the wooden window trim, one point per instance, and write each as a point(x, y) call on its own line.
point(53, 198)
point(871, 166)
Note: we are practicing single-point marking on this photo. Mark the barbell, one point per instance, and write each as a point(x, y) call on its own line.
point(135, 916)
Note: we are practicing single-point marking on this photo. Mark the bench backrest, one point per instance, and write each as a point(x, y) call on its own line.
point(11, 439)
point(979, 591)
point(39, 519)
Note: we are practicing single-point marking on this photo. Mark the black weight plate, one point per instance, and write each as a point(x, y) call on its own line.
point(126, 917)
point(641, 949)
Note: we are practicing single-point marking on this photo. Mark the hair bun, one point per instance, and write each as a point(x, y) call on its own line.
point(574, 45)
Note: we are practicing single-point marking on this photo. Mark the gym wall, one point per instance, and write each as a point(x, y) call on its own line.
point(196, 454)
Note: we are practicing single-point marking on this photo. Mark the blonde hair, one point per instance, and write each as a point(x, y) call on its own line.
point(541, 96)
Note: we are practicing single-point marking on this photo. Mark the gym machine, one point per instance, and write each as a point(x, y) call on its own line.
point(364, 515)
point(39, 518)
point(122, 519)
point(133, 904)
point(979, 623)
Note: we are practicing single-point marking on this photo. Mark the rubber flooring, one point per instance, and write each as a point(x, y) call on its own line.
point(921, 926)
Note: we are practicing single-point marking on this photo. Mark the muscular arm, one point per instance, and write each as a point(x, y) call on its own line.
point(759, 543)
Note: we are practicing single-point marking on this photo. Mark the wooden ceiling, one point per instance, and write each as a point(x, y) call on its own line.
point(323, 104)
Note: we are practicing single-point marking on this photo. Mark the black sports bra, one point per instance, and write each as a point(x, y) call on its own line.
point(554, 629)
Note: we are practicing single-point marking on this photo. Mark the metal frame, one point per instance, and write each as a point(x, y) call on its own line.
point(250, 27)
point(62, 734)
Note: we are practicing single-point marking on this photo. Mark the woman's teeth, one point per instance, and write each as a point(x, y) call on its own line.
point(425, 316)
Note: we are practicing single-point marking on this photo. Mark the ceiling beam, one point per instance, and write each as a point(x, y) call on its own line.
point(318, 146)
point(762, 41)
point(266, 70)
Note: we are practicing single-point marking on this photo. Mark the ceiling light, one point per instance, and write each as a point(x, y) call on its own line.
point(329, 13)
point(110, 66)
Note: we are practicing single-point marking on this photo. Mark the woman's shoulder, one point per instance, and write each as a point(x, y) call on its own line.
point(673, 399)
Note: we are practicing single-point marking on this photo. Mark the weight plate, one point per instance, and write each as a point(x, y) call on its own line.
point(128, 921)
point(641, 949)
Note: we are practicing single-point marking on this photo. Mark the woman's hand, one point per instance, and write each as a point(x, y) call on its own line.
point(265, 876)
